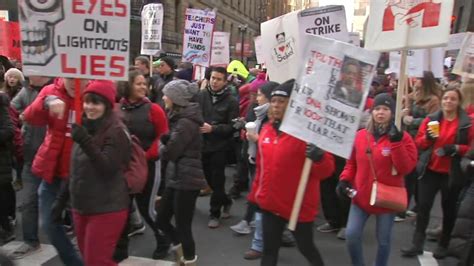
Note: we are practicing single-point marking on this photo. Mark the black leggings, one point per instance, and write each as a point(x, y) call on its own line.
point(7, 198)
point(273, 227)
point(181, 205)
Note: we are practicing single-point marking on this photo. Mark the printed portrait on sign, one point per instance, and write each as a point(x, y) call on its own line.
point(348, 89)
point(468, 64)
point(284, 48)
point(38, 19)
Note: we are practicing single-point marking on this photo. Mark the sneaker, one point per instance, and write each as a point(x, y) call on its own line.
point(342, 234)
point(24, 250)
point(205, 192)
point(252, 254)
point(411, 213)
point(327, 228)
point(241, 228)
point(226, 210)
point(136, 229)
point(213, 223)
point(399, 218)
point(161, 252)
point(252, 224)
point(287, 239)
point(7, 236)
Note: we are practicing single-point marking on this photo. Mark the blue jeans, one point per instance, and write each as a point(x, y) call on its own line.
point(355, 228)
point(257, 241)
point(56, 233)
point(29, 206)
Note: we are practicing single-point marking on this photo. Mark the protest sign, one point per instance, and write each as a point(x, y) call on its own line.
point(455, 41)
point(464, 65)
point(399, 25)
point(327, 21)
point(330, 93)
point(10, 45)
point(152, 29)
point(354, 38)
point(220, 48)
point(259, 49)
point(76, 39)
point(197, 38)
point(419, 60)
point(4, 15)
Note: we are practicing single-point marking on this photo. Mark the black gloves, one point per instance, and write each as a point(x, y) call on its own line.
point(165, 138)
point(342, 189)
point(447, 150)
point(394, 134)
point(314, 153)
point(79, 134)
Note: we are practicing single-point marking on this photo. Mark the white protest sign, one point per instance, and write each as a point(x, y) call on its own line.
point(464, 65)
point(197, 39)
point(76, 39)
point(259, 49)
point(220, 48)
point(152, 29)
point(399, 25)
point(327, 21)
point(354, 38)
point(455, 41)
point(330, 93)
point(419, 60)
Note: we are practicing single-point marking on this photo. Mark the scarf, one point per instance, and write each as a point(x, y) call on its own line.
point(261, 113)
point(215, 95)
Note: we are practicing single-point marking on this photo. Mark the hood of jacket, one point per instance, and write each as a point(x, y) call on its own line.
point(192, 112)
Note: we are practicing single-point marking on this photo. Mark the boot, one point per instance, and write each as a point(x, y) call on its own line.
point(440, 252)
point(162, 246)
point(189, 262)
point(178, 252)
point(416, 248)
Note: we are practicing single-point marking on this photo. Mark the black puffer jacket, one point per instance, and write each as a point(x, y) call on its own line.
point(183, 150)
point(6, 141)
point(218, 111)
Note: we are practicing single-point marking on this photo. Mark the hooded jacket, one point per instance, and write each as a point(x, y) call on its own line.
point(183, 150)
point(280, 161)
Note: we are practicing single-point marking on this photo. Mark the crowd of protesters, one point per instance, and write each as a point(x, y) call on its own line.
point(70, 163)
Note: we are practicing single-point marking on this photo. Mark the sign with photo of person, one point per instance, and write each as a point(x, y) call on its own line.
point(330, 93)
point(464, 65)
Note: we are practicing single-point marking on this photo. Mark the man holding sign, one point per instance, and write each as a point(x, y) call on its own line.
point(280, 159)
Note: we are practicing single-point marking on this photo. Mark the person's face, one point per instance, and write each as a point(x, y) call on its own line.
point(261, 99)
point(217, 81)
point(70, 85)
point(278, 106)
point(164, 69)
point(168, 102)
point(382, 114)
point(418, 84)
point(142, 67)
point(13, 80)
point(93, 111)
point(349, 76)
point(450, 102)
point(139, 88)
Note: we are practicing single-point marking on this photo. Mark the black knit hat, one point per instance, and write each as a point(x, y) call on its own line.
point(169, 61)
point(384, 99)
point(284, 89)
point(267, 88)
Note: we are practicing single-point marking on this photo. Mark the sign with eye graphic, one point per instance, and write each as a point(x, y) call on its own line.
point(75, 38)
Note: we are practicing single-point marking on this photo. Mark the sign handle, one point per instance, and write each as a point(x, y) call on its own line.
point(78, 101)
point(400, 94)
point(300, 194)
point(151, 66)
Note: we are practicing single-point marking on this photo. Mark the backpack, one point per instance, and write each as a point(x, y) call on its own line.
point(136, 173)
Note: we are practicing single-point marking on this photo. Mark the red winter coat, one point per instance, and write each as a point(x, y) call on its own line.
point(280, 161)
point(401, 155)
point(53, 156)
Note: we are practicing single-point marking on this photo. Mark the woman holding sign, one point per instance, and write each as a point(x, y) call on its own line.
point(382, 145)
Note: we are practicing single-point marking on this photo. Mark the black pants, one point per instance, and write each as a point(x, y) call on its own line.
point(273, 227)
point(7, 195)
point(335, 210)
point(214, 169)
point(241, 178)
point(428, 187)
point(180, 204)
point(411, 181)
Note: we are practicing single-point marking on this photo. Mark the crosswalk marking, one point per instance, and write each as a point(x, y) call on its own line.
point(48, 252)
point(427, 259)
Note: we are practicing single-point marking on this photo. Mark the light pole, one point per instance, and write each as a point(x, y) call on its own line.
point(243, 30)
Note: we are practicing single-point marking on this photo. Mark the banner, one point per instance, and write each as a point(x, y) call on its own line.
point(10, 45)
point(330, 94)
point(152, 29)
point(464, 65)
point(76, 39)
point(220, 48)
point(400, 25)
point(431, 59)
point(259, 49)
point(327, 21)
point(197, 39)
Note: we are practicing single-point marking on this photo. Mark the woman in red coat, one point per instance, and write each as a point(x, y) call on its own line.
point(280, 162)
point(389, 148)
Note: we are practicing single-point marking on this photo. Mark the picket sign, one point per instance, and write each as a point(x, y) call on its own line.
point(464, 65)
point(295, 211)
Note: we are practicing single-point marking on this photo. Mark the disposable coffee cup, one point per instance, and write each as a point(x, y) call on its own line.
point(250, 127)
point(434, 128)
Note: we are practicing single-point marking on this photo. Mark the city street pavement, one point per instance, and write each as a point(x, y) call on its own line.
point(222, 247)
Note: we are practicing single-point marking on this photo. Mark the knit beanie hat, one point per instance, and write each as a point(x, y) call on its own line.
point(180, 91)
point(257, 83)
point(104, 88)
point(15, 72)
point(169, 61)
point(384, 99)
point(284, 89)
point(185, 73)
point(268, 87)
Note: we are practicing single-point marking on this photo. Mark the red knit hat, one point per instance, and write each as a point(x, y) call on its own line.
point(104, 88)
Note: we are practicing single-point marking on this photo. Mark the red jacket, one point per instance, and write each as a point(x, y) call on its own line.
point(385, 155)
point(53, 156)
point(280, 162)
